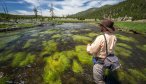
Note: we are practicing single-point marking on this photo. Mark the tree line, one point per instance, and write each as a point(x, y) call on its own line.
point(128, 8)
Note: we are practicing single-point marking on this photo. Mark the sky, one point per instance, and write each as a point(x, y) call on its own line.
point(60, 7)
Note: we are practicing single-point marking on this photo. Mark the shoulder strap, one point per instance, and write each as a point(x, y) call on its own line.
point(106, 44)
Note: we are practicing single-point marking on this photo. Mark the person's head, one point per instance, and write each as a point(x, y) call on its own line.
point(107, 25)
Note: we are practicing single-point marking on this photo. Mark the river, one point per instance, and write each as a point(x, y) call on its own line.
point(57, 54)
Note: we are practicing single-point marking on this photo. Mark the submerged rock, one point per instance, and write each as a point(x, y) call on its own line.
point(1, 74)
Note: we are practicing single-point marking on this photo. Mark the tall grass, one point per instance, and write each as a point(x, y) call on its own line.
point(136, 26)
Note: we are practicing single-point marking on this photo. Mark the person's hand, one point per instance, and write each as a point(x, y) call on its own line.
point(88, 47)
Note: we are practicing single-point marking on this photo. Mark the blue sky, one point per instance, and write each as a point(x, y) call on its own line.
point(61, 7)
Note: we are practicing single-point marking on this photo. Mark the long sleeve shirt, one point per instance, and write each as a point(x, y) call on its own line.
point(98, 47)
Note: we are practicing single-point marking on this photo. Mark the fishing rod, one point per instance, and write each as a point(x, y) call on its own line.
point(3, 7)
point(6, 8)
point(40, 10)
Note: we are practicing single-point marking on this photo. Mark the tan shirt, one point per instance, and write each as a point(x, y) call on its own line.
point(98, 47)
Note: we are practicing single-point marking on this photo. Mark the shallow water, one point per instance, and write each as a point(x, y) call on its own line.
point(57, 54)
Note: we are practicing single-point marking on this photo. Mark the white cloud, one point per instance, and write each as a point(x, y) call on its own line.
point(67, 6)
point(22, 12)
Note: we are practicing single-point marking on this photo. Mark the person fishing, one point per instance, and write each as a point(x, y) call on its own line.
point(102, 45)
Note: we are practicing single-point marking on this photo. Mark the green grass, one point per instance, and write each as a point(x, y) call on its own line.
point(136, 26)
point(4, 25)
point(17, 25)
point(24, 25)
point(71, 21)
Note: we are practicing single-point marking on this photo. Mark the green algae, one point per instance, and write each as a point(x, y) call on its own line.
point(28, 60)
point(49, 31)
point(29, 43)
point(71, 80)
point(7, 55)
point(18, 58)
point(143, 47)
point(77, 68)
point(81, 39)
point(82, 55)
point(22, 59)
point(55, 66)
point(4, 41)
point(137, 75)
point(70, 54)
point(35, 34)
point(56, 36)
point(59, 62)
point(132, 76)
point(126, 38)
point(49, 47)
point(92, 34)
point(3, 80)
point(120, 51)
point(124, 45)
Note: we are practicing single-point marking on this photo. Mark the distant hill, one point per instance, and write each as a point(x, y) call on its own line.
point(129, 8)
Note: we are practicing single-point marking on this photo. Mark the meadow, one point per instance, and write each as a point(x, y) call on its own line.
point(139, 27)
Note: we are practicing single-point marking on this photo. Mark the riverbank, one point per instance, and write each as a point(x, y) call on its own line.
point(135, 27)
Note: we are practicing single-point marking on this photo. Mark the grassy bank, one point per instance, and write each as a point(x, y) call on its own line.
point(72, 21)
point(16, 25)
point(139, 27)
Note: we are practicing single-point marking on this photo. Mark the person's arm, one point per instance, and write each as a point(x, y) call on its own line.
point(95, 46)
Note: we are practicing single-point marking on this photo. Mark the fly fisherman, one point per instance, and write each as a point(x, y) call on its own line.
point(100, 47)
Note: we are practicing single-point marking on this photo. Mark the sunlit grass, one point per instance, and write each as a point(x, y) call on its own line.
point(81, 39)
point(137, 26)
